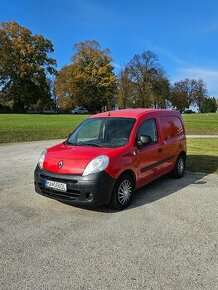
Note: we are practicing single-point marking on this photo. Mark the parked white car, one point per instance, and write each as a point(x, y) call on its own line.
point(79, 110)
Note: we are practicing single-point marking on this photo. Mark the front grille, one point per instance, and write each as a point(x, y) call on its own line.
point(63, 195)
point(72, 192)
point(71, 181)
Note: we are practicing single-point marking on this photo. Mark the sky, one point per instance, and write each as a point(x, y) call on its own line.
point(183, 34)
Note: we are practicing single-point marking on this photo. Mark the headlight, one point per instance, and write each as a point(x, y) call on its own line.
point(42, 158)
point(97, 164)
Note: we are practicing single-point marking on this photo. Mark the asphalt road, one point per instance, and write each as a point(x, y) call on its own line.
point(167, 239)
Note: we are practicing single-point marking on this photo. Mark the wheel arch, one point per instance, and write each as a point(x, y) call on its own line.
point(130, 173)
point(183, 153)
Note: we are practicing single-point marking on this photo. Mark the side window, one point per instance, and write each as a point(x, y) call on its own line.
point(148, 128)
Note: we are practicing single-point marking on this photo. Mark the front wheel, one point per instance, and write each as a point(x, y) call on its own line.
point(179, 168)
point(122, 192)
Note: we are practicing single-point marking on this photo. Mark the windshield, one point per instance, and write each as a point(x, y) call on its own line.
point(102, 132)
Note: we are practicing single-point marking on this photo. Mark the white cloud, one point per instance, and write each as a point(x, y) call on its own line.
point(116, 65)
point(208, 75)
point(168, 54)
point(162, 51)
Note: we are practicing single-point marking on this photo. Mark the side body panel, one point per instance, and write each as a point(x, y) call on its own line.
point(155, 160)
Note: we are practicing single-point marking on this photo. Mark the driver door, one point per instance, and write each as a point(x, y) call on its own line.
point(150, 156)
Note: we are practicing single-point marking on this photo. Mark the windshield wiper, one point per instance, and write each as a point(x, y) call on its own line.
point(89, 144)
point(82, 144)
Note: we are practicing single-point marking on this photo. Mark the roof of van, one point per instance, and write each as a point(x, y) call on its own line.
point(132, 113)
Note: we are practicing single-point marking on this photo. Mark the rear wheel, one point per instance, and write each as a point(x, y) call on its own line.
point(122, 192)
point(179, 168)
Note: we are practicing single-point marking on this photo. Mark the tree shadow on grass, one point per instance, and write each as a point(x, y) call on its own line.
point(202, 163)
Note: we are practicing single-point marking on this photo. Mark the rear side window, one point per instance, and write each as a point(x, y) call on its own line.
point(171, 127)
point(148, 128)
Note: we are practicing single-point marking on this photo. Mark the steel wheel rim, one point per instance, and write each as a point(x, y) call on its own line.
point(181, 165)
point(124, 191)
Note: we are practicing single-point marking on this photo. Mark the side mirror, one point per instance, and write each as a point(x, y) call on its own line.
point(144, 140)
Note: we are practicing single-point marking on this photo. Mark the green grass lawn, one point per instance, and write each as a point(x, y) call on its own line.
point(26, 127)
point(202, 124)
point(202, 155)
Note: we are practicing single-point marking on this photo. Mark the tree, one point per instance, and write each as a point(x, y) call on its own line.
point(149, 86)
point(90, 80)
point(200, 93)
point(179, 99)
point(63, 90)
point(192, 91)
point(161, 92)
point(24, 66)
point(209, 105)
point(126, 97)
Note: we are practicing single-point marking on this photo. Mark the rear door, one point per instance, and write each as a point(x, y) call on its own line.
point(173, 137)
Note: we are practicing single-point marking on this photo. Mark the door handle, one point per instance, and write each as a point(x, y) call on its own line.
point(160, 150)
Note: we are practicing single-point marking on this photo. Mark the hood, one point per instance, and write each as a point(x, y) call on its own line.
point(74, 158)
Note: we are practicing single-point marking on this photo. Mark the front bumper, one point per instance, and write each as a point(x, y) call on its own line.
point(79, 187)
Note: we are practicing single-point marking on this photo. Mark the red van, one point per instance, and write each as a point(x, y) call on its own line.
point(111, 154)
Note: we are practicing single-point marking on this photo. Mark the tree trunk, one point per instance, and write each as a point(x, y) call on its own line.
point(18, 107)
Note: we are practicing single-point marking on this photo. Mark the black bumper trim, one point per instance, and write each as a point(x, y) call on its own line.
point(156, 163)
point(100, 185)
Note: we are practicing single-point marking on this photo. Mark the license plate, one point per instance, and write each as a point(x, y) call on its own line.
point(56, 185)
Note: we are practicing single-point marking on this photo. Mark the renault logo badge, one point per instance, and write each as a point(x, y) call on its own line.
point(60, 164)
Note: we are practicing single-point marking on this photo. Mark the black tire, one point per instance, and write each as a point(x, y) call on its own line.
point(179, 168)
point(122, 192)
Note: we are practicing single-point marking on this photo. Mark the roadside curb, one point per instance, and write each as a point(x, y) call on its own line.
point(202, 136)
